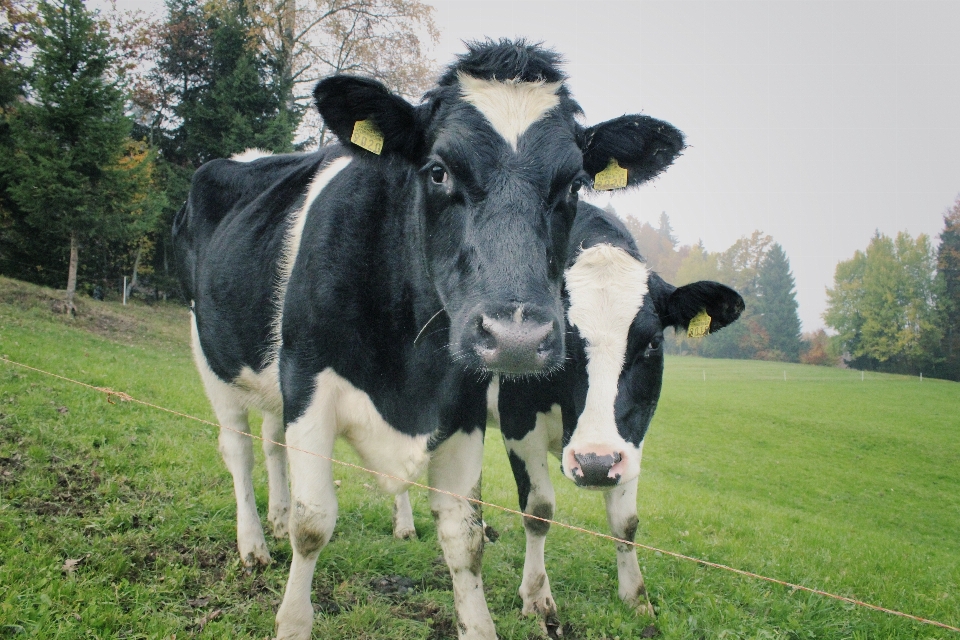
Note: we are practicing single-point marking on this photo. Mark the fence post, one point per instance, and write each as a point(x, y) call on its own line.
point(124, 289)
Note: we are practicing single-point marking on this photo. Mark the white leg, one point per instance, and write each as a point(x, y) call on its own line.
point(528, 458)
point(276, 456)
point(237, 451)
point(403, 527)
point(455, 467)
point(314, 512)
point(622, 518)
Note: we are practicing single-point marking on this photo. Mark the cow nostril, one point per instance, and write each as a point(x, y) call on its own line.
point(485, 336)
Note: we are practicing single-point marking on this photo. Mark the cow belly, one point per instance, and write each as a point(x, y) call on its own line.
point(383, 448)
point(256, 389)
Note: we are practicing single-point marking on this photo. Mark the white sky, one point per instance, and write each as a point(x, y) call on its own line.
point(816, 122)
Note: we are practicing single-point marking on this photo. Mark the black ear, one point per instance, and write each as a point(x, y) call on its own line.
point(642, 145)
point(345, 100)
point(722, 304)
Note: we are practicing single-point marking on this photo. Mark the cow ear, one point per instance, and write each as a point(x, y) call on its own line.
point(642, 145)
point(345, 100)
point(722, 304)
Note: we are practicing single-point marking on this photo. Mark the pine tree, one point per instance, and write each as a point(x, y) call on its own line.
point(66, 171)
point(777, 306)
point(219, 86)
point(665, 230)
point(948, 299)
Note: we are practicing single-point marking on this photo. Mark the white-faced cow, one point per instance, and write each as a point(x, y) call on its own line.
point(370, 296)
point(593, 415)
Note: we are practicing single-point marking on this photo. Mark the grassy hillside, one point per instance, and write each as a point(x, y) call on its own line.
point(117, 521)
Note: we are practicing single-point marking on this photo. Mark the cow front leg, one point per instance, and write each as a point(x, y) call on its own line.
point(276, 456)
point(403, 527)
point(455, 467)
point(312, 518)
point(528, 460)
point(622, 518)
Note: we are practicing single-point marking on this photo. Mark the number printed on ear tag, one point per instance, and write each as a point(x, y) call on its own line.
point(613, 177)
point(367, 136)
point(699, 326)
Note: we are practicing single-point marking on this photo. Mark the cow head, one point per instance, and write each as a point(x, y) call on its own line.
point(498, 159)
point(617, 314)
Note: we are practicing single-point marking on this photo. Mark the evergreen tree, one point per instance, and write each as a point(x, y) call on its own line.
point(948, 300)
point(219, 86)
point(67, 170)
point(665, 231)
point(777, 306)
point(13, 40)
point(739, 267)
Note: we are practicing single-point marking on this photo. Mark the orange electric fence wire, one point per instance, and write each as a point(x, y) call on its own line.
point(796, 587)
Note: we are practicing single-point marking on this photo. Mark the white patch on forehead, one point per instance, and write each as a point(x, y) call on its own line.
point(291, 242)
point(510, 106)
point(249, 155)
point(606, 286)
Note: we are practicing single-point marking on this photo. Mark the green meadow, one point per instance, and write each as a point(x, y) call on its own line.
point(117, 520)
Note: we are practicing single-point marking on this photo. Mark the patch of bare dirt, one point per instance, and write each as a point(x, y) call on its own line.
point(75, 493)
point(442, 625)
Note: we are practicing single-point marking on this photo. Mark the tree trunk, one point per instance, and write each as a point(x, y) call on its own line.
point(136, 267)
point(288, 25)
point(72, 275)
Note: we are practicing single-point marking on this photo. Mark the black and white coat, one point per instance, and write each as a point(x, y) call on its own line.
point(593, 415)
point(370, 297)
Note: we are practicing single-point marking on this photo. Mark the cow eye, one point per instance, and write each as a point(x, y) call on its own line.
point(576, 185)
point(653, 347)
point(438, 175)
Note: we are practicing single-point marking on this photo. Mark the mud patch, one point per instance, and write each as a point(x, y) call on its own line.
point(442, 625)
point(10, 467)
point(394, 586)
point(74, 494)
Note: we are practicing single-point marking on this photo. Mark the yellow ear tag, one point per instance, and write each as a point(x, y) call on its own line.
point(613, 177)
point(367, 136)
point(699, 326)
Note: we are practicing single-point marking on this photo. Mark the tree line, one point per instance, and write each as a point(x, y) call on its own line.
point(757, 267)
point(105, 117)
point(896, 305)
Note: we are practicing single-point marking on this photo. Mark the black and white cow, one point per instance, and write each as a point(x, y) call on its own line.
point(593, 415)
point(370, 296)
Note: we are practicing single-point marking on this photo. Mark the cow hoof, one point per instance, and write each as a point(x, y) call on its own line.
point(551, 627)
point(258, 556)
point(543, 607)
point(404, 533)
point(643, 608)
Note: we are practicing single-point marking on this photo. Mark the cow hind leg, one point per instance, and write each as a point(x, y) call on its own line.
point(403, 527)
point(622, 517)
point(313, 516)
point(455, 467)
point(276, 456)
point(236, 447)
point(237, 451)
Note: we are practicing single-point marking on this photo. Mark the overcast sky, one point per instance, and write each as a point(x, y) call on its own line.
point(815, 122)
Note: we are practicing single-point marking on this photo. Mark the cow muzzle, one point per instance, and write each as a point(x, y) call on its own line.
point(519, 341)
point(599, 467)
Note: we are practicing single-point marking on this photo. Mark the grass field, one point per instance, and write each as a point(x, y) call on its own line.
point(117, 521)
